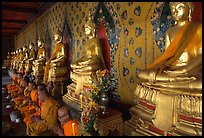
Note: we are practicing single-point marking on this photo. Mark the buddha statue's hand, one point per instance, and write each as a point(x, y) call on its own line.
point(152, 76)
point(179, 72)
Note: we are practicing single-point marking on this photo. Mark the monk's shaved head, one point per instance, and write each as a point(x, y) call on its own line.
point(63, 115)
point(64, 110)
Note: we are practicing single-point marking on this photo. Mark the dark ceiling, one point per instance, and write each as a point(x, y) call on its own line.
point(16, 16)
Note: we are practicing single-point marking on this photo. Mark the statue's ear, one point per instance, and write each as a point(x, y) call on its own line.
point(101, 35)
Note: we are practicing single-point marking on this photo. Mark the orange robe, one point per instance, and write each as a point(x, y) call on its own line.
point(48, 114)
point(182, 42)
point(68, 131)
point(10, 86)
point(13, 87)
point(19, 101)
point(30, 110)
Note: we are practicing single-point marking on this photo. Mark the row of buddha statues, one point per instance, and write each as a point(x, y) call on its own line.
point(170, 89)
point(55, 69)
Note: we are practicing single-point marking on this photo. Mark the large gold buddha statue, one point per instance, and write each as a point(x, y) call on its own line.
point(14, 59)
point(29, 60)
point(55, 68)
point(172, 85)
point(20, 59)
point(84, 69)
point(39, 62)
point(23, 57)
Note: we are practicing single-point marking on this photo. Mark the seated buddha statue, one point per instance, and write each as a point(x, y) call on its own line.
point(87, 65)
point(39, 62)
point(14, 59)
point(172, 84)
point(24, 57)
point(29, 60)
point(55, 67)
point(20, 60)
point(182, 59)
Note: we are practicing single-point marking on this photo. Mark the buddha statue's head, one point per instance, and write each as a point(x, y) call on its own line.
point(40, 42)
point(90, 27)
point(181, 11)
point(31, 45)
point(58, 36)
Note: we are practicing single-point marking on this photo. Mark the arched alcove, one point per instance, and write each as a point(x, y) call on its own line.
point(48, 44)
point(68, 41)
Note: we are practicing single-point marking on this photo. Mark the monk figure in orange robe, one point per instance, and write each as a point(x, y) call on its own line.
point(17, 88)
point(21, 99)
point(67, 127)
point(48, 114)
point(33, 108)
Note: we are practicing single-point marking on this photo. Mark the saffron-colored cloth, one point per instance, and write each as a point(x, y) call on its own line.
point(57, 49)
point(19, 101)
point(13, 87)
point(40, 52)
point(48, 114)
point(31, 110)
point(34, 98)
point(68, 130)
point(186, 38)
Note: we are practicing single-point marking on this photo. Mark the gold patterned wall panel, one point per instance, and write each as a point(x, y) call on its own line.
point(136, 47)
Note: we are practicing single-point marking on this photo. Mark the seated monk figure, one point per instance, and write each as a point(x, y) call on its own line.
point(174, 80)
point(17, 88)
point(39, 62)
point(22, 98)
point(50, 87)
point(33, 108)
point(91, 61)
point(48, 113)
point(29, 60)
point(65, 127)
point(56, 69)
point(12, 85)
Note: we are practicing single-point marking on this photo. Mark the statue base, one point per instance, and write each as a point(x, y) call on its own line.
point(163, 112)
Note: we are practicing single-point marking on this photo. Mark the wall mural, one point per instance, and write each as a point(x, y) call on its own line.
point(161, 21)
point(135, 33)
point(104, 12)
point(68, 41)
point(48, 44)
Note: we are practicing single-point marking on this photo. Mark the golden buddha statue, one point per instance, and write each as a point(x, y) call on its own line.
point(174, 80)
point(19, 59)
point(39, 62)
point(84, 69)
point(55, 68)
point(29, 60)
point(24, 56)
point(14, 59)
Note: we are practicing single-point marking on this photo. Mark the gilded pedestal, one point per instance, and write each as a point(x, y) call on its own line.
point(160, 112)
point(38, 72)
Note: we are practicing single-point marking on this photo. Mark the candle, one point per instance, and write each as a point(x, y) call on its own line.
point(73, 133)
point(81, 101)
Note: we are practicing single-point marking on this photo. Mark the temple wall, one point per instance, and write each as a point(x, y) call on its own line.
point(141, 35)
